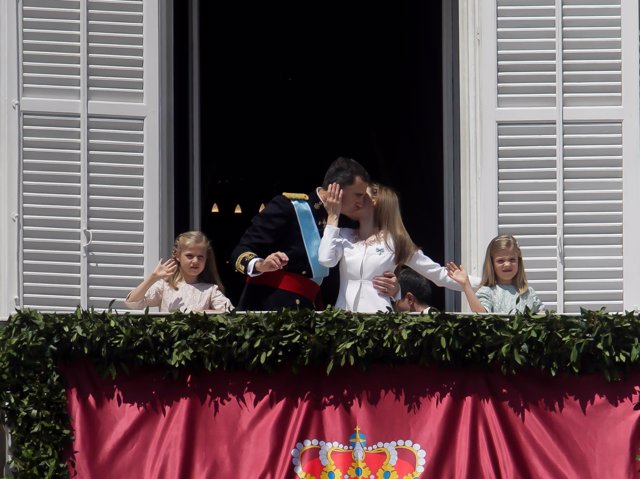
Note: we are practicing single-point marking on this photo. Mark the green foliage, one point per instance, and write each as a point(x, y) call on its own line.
point(32, 393)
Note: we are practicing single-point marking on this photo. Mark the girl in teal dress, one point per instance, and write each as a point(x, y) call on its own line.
point(504, 287)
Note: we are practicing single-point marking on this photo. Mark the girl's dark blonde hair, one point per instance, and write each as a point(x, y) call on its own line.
point(497, 244)
point(388, 220)
point(210, 272)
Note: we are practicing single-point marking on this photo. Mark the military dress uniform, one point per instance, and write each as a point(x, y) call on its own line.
point(276, 228)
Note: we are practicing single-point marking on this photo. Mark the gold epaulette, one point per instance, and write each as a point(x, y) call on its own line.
point(296, 196)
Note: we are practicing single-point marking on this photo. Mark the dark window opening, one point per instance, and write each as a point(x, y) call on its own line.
point(289, 86)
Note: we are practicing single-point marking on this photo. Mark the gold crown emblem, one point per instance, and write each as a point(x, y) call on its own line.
point(401, 459)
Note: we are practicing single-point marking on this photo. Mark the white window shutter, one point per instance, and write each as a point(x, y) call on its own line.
point(115, 208)
point(116, 51)
point(51, 49)
point(592, 197)
point(51, 212)
point(591, 53)
point(528, 198)
point(526, 50)
point(559, 127)
point(89, 156)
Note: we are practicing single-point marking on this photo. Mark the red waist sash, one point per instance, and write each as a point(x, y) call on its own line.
point(287, 281)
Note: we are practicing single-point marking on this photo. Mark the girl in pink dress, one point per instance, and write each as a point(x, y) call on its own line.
point(187, 282)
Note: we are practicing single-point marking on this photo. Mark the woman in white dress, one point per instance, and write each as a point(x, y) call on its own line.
point(381, 243)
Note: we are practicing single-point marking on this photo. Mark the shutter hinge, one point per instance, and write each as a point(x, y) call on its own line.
point(14, 217)
point(16, 105)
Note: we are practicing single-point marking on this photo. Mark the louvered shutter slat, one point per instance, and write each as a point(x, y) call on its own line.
point(527, 199)
point(592, 53)
point(116, 207)
point(593, 214)
point(51, 211)
point(116, 51)
point(526, 53)
point(51, 49)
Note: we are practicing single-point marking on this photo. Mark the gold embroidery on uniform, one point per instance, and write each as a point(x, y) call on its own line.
point(296, 196)
point(246, 256)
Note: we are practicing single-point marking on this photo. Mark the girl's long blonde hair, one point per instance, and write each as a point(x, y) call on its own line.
point(210, 272)
point(388, 220)
point(500, 243)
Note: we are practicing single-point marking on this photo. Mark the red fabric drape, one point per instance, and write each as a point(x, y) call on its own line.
point(468, 424)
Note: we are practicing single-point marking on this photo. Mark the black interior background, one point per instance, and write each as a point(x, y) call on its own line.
point(288, 86)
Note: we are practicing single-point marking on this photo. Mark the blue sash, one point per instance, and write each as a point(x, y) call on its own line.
point(311, 238)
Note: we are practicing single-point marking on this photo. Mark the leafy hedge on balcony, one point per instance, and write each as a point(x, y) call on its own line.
point(32, 392)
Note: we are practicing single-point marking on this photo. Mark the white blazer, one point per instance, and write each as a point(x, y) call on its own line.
point(361, 261)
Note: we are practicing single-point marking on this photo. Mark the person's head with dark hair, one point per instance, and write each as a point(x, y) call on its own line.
point(353, 178)
point(344, 171)
point(415, 289)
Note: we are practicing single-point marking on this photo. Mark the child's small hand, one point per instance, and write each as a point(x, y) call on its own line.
point(165, 270)
point(457, 273)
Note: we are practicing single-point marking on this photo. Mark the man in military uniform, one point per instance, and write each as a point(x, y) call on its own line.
point(278, 252)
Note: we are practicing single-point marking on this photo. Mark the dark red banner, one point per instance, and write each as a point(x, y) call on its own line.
point(405, 422)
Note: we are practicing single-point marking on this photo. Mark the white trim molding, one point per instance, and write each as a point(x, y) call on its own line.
point(9, 114)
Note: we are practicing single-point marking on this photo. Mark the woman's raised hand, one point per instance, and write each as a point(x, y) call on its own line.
point(457, 273)
point(333, 203)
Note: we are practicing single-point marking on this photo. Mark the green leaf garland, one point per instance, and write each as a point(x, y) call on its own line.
point(32, 392)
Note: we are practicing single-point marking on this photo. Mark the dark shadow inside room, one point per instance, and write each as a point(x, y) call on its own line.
point(286, 87)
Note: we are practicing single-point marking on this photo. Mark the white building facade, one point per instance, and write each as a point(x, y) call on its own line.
point(549, 147)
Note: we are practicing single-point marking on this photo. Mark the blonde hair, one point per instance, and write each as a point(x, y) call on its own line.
point(210, 272)
point(501, 243)
point(388, 220)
